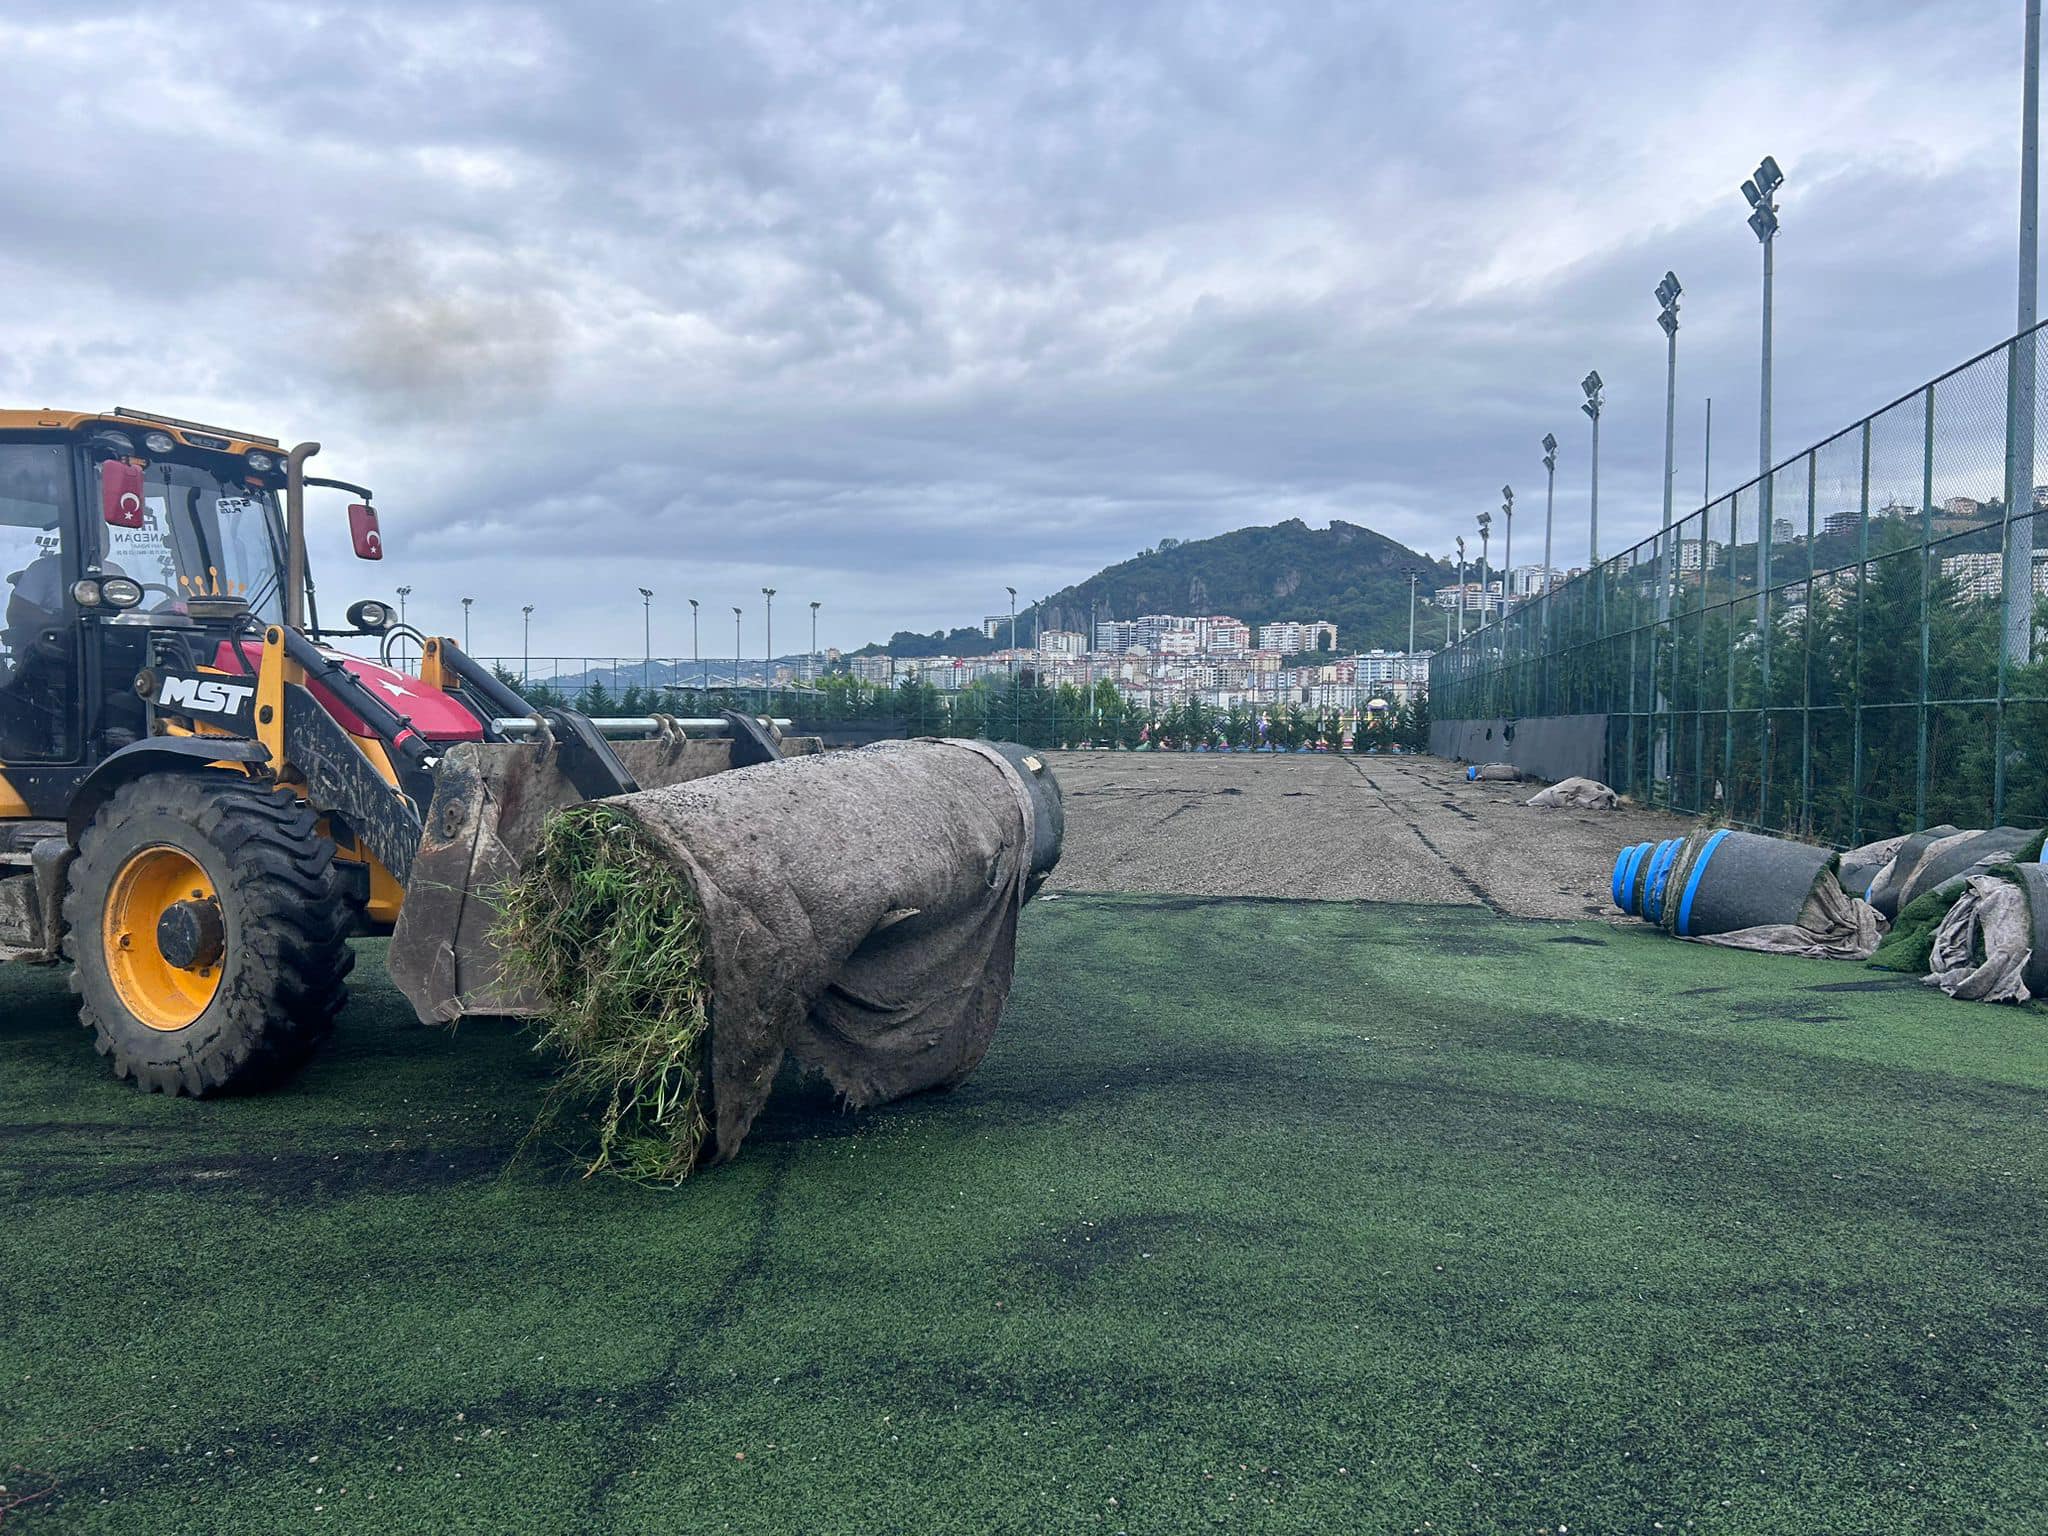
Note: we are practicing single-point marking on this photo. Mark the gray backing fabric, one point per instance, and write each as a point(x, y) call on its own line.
point(1884, 890)
point(1833, 925)
point(1952, 856)
point(860, 910)
point(1992, 946)
point(1861, 865)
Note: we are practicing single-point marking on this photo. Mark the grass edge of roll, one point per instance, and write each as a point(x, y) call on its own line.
point(609, 930)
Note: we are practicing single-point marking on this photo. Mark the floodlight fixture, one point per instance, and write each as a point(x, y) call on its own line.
point(1749, 190)
point(1549, 450)
point(1768, 177)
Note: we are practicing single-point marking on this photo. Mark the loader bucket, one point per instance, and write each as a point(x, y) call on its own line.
point(490, 802)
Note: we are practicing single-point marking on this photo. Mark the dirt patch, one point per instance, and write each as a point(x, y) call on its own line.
point(1327, 827)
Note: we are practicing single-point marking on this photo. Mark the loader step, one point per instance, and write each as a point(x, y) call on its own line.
point(18, 837)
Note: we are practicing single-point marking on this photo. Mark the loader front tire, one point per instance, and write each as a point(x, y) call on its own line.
point(207, 929)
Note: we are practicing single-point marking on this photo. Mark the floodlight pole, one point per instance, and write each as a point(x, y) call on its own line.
point(1592, 386)
point(2018, 649)
point(1485, 541)
point(1667, 317)
point(466, 602)
point(1707, 458)
point(526, 644)
point(1414, 576)
point(735, 648)
point(814, 642)
point(1761, 193)
point(1507, 547)
point(1549, 517)
point(769, 612)
point(696, 654)
point(1763, 451)
point(1461, 587)
point(1013, 632)
point(646, 637)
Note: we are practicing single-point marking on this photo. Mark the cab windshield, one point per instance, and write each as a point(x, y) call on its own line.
point(203, 534)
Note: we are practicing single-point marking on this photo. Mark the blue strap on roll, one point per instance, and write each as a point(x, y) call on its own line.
point(1660, 872)
point(1634, 856)
point(1692, 884)
point(1471, 773)
point(1614, 883)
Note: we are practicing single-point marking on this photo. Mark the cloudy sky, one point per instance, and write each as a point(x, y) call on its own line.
point(890, 305)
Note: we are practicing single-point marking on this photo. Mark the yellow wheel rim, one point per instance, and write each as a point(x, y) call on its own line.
point(158, 993)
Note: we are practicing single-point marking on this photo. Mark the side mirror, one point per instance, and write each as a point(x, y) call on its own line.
point(362, 527)
point(121, 501)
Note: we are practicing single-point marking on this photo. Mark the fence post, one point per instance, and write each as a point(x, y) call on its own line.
point(1856, 677)
point(1728, 674)
point(1766, 637)
point(1926, 629)
point(1806, 658)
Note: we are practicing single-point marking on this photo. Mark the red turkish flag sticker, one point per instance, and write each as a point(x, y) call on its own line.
point(362, 527)
point(121, 494)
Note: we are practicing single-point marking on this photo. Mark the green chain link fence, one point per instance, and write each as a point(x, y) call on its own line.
point(1827, 651)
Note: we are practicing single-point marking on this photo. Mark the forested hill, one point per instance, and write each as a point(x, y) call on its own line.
point(1344, 573)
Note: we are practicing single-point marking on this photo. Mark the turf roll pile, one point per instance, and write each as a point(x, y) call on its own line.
point(856, 911)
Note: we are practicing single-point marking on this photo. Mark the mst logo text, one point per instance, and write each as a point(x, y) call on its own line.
point(210, 695)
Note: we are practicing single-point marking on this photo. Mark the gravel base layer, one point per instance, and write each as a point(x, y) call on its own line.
point(1335, 828)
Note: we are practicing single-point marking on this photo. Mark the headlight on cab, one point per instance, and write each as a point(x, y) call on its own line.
point(370, 616)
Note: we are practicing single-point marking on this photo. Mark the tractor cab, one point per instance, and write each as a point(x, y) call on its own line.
point(123, 537)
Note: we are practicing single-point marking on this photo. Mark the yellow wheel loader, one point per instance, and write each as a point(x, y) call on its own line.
point(202, 798)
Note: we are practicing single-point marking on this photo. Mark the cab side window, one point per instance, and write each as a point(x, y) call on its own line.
point(37, 645)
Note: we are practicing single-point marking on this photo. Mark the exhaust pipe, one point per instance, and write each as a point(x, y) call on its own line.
point(295, 534)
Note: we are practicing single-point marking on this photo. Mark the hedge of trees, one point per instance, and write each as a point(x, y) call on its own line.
point(1866, 700)
point(1035, 714)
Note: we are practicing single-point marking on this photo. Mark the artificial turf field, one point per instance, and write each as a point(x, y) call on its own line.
point(1263, 1216)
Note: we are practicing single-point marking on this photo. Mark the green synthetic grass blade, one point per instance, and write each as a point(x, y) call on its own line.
point(610, 931)
point(1911, 942)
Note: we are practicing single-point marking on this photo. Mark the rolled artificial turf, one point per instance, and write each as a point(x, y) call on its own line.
point(856, 911)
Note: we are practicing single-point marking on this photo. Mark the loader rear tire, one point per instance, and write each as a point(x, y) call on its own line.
point(207, 928)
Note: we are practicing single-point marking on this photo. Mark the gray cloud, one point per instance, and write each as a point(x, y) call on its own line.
point(892, 304)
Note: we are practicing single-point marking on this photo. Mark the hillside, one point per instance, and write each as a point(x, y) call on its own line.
point(1349, 575)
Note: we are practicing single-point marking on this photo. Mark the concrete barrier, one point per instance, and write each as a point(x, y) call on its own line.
point(1545, 747)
